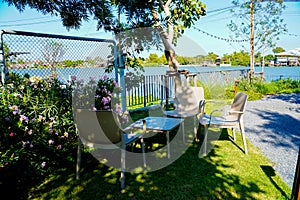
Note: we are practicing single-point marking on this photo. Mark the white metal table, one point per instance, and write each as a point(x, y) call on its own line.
point(160, 124)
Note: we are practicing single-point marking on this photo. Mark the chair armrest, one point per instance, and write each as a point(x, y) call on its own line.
point(214, 111)
point(235, 112)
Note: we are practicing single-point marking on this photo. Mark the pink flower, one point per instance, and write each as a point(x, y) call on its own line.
point(11, 134)
point(43, 164)
point(105, 100)
point(23, 118)
point(51, 142)
point(15, 109)
point(73, 78)
point(40, 118)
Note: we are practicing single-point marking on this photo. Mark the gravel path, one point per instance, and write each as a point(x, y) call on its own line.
point(273, 125)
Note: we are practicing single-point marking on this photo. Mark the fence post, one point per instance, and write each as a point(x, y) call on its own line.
point(144, 88)
point(2, 60)
point(167, 91)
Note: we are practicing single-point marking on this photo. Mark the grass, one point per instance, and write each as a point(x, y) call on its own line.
point(225, 173)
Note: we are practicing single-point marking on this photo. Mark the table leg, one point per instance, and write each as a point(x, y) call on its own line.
point(168, 144)
point(205, 139)
point(195, 128)
point(183, 135)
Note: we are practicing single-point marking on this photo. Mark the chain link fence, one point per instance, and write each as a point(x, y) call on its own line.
point(62, 56)
point(66, 57)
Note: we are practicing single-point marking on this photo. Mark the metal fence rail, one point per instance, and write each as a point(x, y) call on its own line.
point(152, 88)
point(63, 56)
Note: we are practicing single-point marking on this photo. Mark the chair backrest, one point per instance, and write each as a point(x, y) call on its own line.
point(188, 98)
point(239, 103)
point(97, 127)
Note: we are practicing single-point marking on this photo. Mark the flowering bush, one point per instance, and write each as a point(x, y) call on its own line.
point(38, 133)
point(37, 127)
point(101, 95)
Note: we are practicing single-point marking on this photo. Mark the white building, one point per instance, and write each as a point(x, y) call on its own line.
point(288, 58)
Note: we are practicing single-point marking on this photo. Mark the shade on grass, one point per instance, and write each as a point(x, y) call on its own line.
point(225, 173)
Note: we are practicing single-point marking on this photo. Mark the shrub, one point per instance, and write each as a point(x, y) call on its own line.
point(37, 128)
point(257, 88)
point(38, 133)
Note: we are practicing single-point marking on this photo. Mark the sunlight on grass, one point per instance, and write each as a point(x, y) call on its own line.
point(225, 173)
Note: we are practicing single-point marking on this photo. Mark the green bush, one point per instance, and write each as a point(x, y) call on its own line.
point(257, 88)
point(37, 128)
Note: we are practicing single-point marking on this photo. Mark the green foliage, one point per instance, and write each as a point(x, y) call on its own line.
point(241, 58)
point(278, 50)
point(141, 24)
point(269, 57)
point(268, 23)
point(257, 89)
point(37, 127)
point(71, 63)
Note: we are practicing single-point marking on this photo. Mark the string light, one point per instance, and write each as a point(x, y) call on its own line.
point(291, 34)
point(220, 38)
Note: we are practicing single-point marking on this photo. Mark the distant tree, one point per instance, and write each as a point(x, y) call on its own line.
point(163, 60)
point(238, 58)
point(259, 22)
point(53, 52)
point(269, 57)
point(153, 58)
point(212, 56)
point(278, 50)
point(258, 57)
point(71, 63)
point(182, 60)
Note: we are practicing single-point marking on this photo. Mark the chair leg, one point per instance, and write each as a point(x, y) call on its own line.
point(122, 178)
point(195, 128)
point(233, 133)
point(78, 164)
point(243, 136)
point(205, 139)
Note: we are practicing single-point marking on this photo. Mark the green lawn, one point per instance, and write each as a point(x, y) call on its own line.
point(225, 173)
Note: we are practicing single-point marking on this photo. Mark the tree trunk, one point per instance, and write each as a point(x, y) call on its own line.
point(167, 38)
point(252, 61)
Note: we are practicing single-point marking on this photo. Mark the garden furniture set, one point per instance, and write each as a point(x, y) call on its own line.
point(102, 129)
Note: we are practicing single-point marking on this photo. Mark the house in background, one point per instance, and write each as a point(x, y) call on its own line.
point(288, 58)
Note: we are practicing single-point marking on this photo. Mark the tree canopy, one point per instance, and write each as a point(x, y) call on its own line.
point(268, 23)
point(169, 17)
point(278, 50)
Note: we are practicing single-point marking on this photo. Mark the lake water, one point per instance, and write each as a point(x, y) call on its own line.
point(270, 73)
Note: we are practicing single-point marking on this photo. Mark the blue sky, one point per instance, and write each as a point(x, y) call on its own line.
point(213, 23)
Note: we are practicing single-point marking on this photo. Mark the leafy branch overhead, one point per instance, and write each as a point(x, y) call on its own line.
point(170, 17)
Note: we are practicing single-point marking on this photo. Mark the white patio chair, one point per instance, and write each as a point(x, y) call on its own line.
point(188, 102)
point(233, 119)
point(101, 130)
